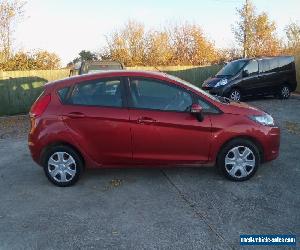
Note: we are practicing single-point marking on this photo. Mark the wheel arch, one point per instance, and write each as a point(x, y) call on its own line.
point(62, 143)
point(245, 137)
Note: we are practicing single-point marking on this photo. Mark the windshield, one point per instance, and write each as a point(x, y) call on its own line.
point(177, 79)
point(232, 68)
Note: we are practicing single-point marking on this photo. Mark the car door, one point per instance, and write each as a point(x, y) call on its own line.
point(250, 82)
point(97, 117)
point(267, 74)
point(163, 129)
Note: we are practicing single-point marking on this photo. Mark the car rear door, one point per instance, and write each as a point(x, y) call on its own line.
point(96, 115)
point(163, 129)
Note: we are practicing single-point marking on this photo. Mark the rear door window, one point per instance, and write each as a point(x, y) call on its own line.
point(101, 92)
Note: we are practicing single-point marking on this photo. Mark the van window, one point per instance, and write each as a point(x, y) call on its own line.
point(264, 66)
point(285, 63)
point(232, 68)
point(273, 64)
point(252, 68)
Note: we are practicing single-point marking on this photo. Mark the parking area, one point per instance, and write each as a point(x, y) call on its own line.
point(182, 208)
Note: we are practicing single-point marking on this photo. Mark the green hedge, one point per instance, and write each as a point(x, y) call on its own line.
point(19, 89)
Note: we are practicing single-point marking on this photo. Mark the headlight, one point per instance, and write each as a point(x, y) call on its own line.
point(266, 119)
point(221, 82)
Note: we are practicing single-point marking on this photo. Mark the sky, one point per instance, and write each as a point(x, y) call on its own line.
point(68, 26)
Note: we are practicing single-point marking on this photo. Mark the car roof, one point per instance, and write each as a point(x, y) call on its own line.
point(109, 73)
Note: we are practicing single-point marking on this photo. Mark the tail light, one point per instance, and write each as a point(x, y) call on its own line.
point(40, 105)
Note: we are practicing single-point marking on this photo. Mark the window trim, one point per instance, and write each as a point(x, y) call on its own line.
point(123, 92)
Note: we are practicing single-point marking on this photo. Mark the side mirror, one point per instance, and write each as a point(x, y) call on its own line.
point(197, 111)
point(245, 73)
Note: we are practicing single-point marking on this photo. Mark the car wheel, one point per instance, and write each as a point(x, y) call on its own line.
point(62, 166)
point(284, 92)
point(239, 160)
point(235, 95)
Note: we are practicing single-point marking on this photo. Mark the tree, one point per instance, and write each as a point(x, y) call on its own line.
point(175, 45)
point(293, 38)
point(256, 33)
point(158, 49)
point(128, 44)
point(10, 13)
point(46, 60)
point(40, 60)
point(84, 55)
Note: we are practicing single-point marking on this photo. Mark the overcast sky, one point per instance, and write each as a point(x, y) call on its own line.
point(69, 26)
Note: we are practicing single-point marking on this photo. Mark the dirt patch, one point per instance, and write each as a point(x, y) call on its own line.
point(293, 127)
point(14, 127)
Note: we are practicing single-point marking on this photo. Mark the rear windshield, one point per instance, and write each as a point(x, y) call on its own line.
point(232, 68)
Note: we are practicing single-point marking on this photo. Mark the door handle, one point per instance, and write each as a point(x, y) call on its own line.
point(75, 115)
point(145, 120)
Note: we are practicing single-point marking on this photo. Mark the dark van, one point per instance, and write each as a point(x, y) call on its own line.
point(256, 76)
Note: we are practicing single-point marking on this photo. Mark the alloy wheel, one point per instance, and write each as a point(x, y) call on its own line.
point(235, 95)
point(285, 92)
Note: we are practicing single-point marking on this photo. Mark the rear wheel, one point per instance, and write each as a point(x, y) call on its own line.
point(235, 95)
point(62, 166)
point(284, 92)
point(239, 160)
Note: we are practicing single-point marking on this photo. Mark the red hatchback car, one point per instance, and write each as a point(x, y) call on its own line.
point(126, 118)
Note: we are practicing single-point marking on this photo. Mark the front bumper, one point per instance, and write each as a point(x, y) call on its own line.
point(271, 144)
point(220, 91)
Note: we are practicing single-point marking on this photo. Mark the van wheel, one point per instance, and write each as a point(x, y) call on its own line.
point(284, 92)
point(235, 95)
point(62, 166)
point(239, 160)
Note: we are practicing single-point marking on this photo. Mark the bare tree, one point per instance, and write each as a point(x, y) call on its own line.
point(10, 14)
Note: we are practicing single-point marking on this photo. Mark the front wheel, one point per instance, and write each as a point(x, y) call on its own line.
point(62, 166)
point(239, 160)
point(235, 95)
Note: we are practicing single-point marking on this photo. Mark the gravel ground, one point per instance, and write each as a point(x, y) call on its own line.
point(13, 127)
point(179, 208)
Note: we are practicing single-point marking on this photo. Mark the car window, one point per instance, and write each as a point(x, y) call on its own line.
point(98, 93)
point(154, 94)
point(286, 63)
point(264, 66)
point(62, 93)
point(252, 68)
point(207, 107)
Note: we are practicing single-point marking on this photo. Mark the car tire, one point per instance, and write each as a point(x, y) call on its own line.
point(235, 95)
point(62, 165)
point(284, 92)
point(239, 159)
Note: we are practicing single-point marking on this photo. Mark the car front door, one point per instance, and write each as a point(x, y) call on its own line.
point(163, 129)
point(95, 113)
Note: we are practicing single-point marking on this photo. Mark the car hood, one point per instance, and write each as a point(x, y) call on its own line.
point(241, 108)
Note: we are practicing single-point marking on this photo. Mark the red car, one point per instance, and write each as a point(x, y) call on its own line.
point(133, 118)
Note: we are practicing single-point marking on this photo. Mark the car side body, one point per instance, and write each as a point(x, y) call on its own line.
point(118, 134)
